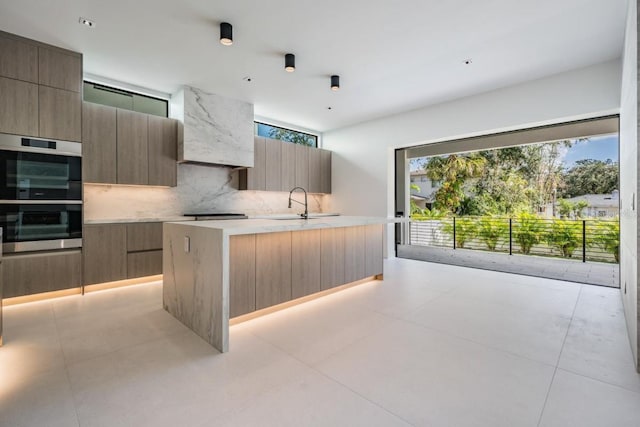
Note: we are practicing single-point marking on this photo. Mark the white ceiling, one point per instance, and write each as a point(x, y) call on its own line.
point(392, 56)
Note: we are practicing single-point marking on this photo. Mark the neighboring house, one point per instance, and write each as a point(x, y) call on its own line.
point(425, 197)
point(599, 205)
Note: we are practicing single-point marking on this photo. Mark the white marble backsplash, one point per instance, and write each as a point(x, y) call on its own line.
point(217, 130)
point(200, 189)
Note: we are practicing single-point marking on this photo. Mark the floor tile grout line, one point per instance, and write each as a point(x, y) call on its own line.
point(600, 380)
point(66, 367)
point(553, 377)
point(315, 369)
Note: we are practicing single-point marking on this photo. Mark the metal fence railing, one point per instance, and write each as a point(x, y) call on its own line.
point(585, 239)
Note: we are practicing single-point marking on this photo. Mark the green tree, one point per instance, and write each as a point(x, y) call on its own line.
point(415, 209)
point(607, 236)
point(567, 209)
point(292, 136)
point(591, 177)
point(465, 229)
point(454, 171)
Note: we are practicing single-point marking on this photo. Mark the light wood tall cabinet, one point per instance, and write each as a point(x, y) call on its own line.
point(126, 147)
point(40, 89)
point(281, 166)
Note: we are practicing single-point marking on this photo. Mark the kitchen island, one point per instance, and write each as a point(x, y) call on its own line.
point(215, 270)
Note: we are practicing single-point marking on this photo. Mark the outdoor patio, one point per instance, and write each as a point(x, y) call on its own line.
point(571, 270)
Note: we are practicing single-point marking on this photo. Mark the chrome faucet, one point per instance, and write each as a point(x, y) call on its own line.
point(304, 215)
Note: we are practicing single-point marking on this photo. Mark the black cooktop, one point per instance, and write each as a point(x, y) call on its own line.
point(216, 215)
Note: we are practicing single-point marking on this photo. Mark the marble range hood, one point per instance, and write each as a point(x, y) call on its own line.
point(214, 129)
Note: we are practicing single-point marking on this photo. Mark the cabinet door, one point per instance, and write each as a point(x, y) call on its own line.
point(374, 249)
point(273, 269)
point(288, 173)
point(256, 176)
point(142, 264)
point(104, 249)
point(305, 263)
point(132, 148)
point(273, 165)
point(354, 248)
point(315, 162)
point(18, 107)
point(332, 258)
point(18, 60)
point(27, 274)
point(302, 166)
point(98, 143)
point(60, 69)
point(242, 274)
point(144, 236)
point(163, 151)
point(325, 171)
point(60, 114)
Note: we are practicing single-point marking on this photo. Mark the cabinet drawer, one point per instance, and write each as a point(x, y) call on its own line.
point(27, 274)
point(141, 264)
point(144, 237)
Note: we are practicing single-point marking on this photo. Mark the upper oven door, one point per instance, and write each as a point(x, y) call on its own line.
point(33, 169)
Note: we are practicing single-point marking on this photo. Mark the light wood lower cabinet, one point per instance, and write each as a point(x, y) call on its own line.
point(305, 263)
point(142, 264)
point(242, 274)
point(273, 269)
point(32, 273)
point(144, 236)
point(332, 257)
point(104, 252)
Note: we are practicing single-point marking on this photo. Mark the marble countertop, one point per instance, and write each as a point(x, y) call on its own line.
point(133, 220)
point(257, 226)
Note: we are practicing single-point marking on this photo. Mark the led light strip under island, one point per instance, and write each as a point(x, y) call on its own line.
point(214, 270)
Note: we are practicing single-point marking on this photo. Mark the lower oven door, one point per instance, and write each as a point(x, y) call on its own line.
point(40, 226)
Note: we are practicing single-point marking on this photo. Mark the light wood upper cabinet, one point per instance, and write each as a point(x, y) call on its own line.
point(302, 166)
point(163, 151)
point(288, 166)
point(60, 114)
point(18, 59)
point(18, 107)
point(60, 69)
point(132, 147)
point(315, 181)
point(273, 165)
point(99, 143)
point(256, 176)
point(325, 171)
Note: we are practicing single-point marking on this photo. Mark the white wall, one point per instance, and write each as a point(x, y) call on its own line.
point(629, 178)
point(362, 175)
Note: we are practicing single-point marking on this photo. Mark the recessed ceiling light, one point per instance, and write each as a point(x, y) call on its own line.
point(247, 79)
point(88, 22)
point(329, 108)
point(467, 61)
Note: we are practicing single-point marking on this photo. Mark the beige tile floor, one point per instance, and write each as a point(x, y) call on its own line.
point(431, 345)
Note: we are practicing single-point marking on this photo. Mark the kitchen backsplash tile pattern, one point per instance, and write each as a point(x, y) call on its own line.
point(200, 189)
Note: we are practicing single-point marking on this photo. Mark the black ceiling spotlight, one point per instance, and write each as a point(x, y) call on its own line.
point(226, 34)
point(290, 62)
point(335, 83)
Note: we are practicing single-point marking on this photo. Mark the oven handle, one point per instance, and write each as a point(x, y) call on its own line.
point(63, 148)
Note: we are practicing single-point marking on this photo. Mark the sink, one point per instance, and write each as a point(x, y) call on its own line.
point(293, 216)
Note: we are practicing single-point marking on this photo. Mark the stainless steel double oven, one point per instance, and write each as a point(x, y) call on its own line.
point(40, 194)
